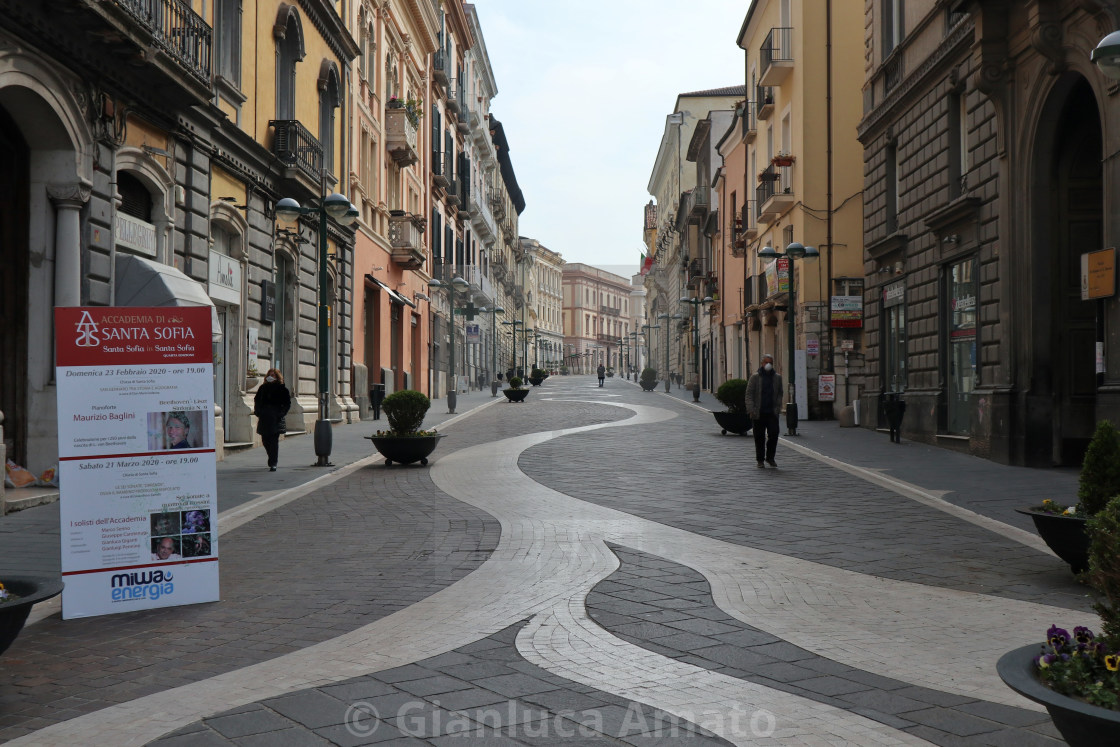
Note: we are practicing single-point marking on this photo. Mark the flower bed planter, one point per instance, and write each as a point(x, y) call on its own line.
point(1078, 722)
point(1065, 535)
point(405, 449)
point(30, 590)
point(733, 422)
point(516, 395)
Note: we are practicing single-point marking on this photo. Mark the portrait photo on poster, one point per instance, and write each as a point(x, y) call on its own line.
point(177, 429)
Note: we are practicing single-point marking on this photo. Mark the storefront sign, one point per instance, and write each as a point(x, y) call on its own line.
point(138, 497)
point(894, 294)
point(813, 347)
point(135, 234)
point(1098, 274)
point(826, 387)
point(225, 279)
point(268, 301)
point(847, 345)
point(777, 277)
point(847, 311)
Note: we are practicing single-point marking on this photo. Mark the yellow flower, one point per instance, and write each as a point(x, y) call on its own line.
point(1046, 501)
point(1112, 662)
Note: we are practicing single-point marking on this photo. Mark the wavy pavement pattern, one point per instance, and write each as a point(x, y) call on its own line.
point(553, 550)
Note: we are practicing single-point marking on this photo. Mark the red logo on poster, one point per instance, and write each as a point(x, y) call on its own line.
point(106, 335)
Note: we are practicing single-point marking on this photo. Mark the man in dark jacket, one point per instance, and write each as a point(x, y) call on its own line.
point(764, 402)
point(602, 374)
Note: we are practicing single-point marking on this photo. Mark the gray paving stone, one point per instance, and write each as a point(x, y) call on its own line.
point(515, 685)
point(200, 738)
point(956, 723)
point(294, 737)
point(250, 722)
point(310, 708)
point(436, 685)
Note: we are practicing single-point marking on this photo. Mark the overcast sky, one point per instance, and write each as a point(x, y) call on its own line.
point(583, 90)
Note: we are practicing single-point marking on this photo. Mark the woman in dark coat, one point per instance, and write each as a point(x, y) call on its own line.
point(270, 405)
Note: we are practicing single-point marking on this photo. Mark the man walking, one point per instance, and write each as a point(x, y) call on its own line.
point(764, 401)
point(602, 374)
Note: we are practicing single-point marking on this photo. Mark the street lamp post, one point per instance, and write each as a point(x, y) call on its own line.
point(668, 324)
point(696, 303)
point(794, 251)
point(456, 284)
point(336, 206)
point(636, 353)
point(514, 324)
point(493, 312)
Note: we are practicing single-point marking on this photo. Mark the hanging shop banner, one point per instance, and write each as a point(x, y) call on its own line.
point(826, 387)
point(1098, 274)
point(777, 277)
point(473, 334)
point(138, 490)
point(847, 311)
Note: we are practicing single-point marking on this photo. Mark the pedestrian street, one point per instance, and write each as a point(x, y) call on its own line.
point(642, 566)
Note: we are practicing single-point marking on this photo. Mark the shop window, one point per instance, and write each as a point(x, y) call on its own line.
point(961, 358)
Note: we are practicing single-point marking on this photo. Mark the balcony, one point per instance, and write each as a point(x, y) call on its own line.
point(439, 171)
point(464, 123)
point(400, 137)
point(764, 102)
point(610, 310)
point(749, 221)
point(452, 100)
point(749, 121)
point(406, 237)
point(776, 56)
point(497, 204)
point(697, 203)
point(439, 67)
point(611, 339)
point(481, 219)
point(453, 192)
point(176, 30)
point(299, 151)
point(775, 192)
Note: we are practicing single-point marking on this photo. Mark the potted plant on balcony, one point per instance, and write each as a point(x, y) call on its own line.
point(1077, 676)
point(515, 392)
point(732, 394)
point(648, 379)
point(768, 176)
point(404, 442)
point(1063, 527)
point(782, 159)
point(18, 594)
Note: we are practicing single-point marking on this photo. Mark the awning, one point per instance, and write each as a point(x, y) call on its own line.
point(145, 282)
point(392, 293)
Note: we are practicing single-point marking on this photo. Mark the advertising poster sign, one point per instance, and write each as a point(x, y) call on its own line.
point(826, 387)
point(138, 489)
point(847, 311)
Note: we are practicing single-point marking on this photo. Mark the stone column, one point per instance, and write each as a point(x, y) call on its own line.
point(68, 200)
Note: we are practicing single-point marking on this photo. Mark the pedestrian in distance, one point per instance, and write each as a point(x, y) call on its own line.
point(602, 374)
point(270, 405)
point(764, 401)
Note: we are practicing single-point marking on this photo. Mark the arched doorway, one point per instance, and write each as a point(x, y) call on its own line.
point(1068, 202)
point(14, 281)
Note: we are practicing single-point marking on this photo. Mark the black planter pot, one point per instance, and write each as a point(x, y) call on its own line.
point(648, 386)
point(516, 395)
point(733, 422)
point(536, 380)
point(405, 449)
point(1081, 724)
point(30, 590)
point(1065, 535)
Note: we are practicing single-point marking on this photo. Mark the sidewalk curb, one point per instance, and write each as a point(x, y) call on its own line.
point(926, 498)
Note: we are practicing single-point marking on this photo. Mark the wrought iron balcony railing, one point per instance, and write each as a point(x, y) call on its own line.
point(776, 56)
point(296, 147)
point(177, 30)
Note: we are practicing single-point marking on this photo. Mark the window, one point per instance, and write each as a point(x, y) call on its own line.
point(289, 51)
point(136, 200)
point(892, 25)
point(227, 42)
point(958, 143)
point(891, 187)
point(329, 100)
point(961, 361)
point(437, 236)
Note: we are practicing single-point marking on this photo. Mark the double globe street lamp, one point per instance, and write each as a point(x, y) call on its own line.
point(339, 207)
point(493, 312)
point(668, 323)
point(514, 324)
point(456, 285)
point(794, 251)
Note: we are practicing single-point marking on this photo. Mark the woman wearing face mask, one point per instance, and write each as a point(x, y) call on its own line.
point(764, 402)
point(270, 405)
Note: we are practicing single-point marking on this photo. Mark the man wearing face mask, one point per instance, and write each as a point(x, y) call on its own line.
point(270, 405)
point(764, 401)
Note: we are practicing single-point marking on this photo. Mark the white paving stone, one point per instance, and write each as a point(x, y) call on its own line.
point(553, 550)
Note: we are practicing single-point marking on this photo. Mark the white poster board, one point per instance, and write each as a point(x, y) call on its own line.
point(138, 490)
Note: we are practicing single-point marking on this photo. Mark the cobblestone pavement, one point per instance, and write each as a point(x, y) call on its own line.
point(593, 566)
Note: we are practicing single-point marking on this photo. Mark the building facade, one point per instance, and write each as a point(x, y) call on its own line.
point(986, 133)
point(596, 317)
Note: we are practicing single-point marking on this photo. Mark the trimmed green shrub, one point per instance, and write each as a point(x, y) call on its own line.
point(1100, 472)
point(1103, 529)
point(649, 375)
point(515, 382)
point(405, 410)
point(537, 373)
point(733, 395)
